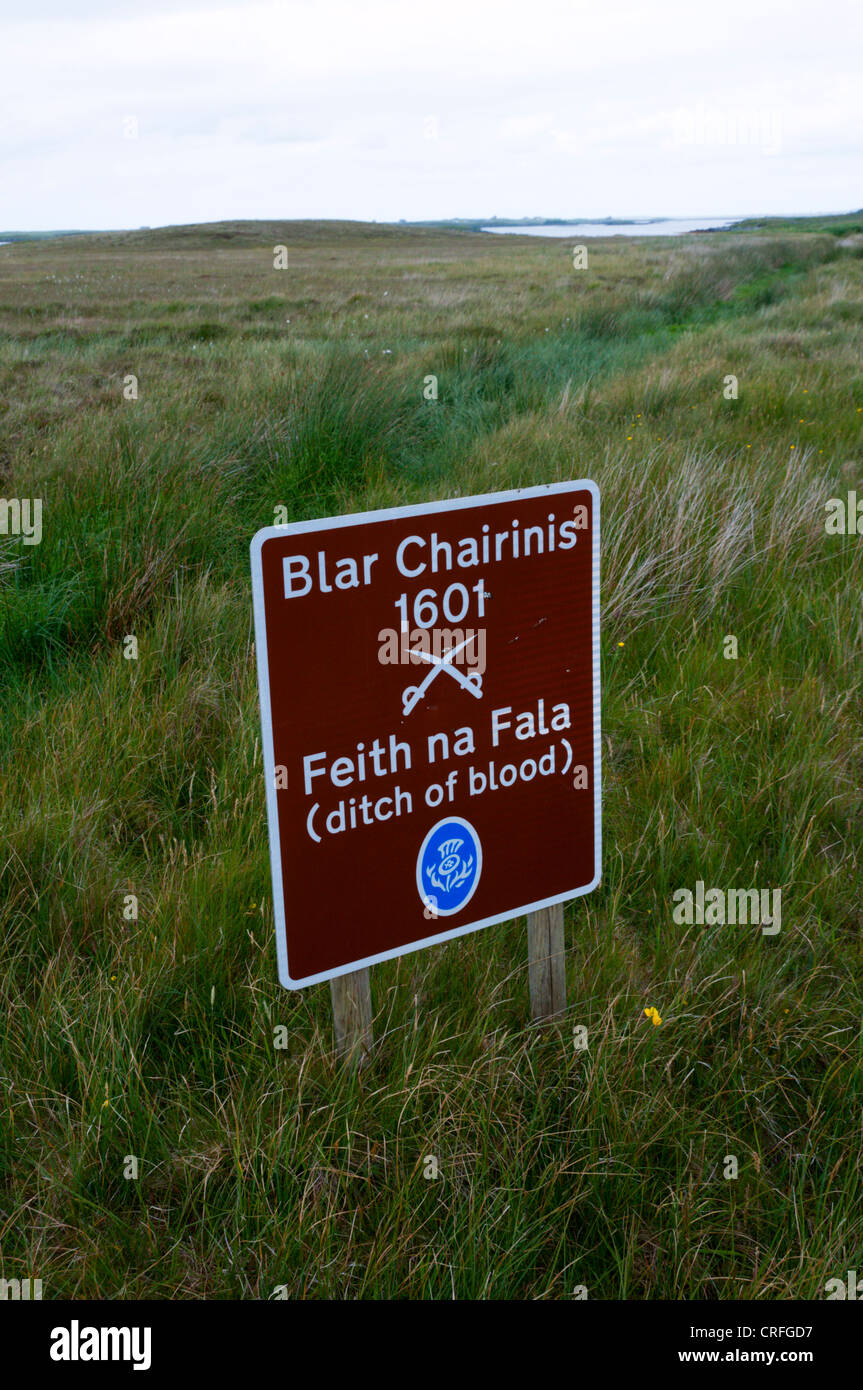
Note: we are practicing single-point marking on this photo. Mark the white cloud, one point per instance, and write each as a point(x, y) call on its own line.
point(321, 108)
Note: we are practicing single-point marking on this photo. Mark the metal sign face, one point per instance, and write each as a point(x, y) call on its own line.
point(429, 686)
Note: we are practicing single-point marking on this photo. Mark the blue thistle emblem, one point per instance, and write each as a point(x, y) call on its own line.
point(448, 866)
point(452, 869)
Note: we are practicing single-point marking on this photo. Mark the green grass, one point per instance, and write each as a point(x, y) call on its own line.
point(153, 1036)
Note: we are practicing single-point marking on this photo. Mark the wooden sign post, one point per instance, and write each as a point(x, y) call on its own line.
point(352, 1016)
point(546, 962)
point(429, 686)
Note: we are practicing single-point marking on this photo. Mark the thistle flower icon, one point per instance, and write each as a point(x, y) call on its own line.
point(452, 868)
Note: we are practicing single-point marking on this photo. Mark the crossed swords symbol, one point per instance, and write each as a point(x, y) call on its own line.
point(472, 682)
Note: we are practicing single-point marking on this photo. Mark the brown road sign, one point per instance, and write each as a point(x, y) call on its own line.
point(429, 685)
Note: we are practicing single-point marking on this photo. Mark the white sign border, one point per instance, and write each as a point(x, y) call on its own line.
point(387, 514)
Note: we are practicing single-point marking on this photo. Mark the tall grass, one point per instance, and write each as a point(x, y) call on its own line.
point(152, 1035)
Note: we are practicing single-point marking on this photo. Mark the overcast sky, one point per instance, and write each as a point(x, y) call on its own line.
point(122, 114)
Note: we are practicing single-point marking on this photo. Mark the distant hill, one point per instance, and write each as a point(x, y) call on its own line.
point(199, 235)
point(840, 223)
point(40, 236)
point(477, 223)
